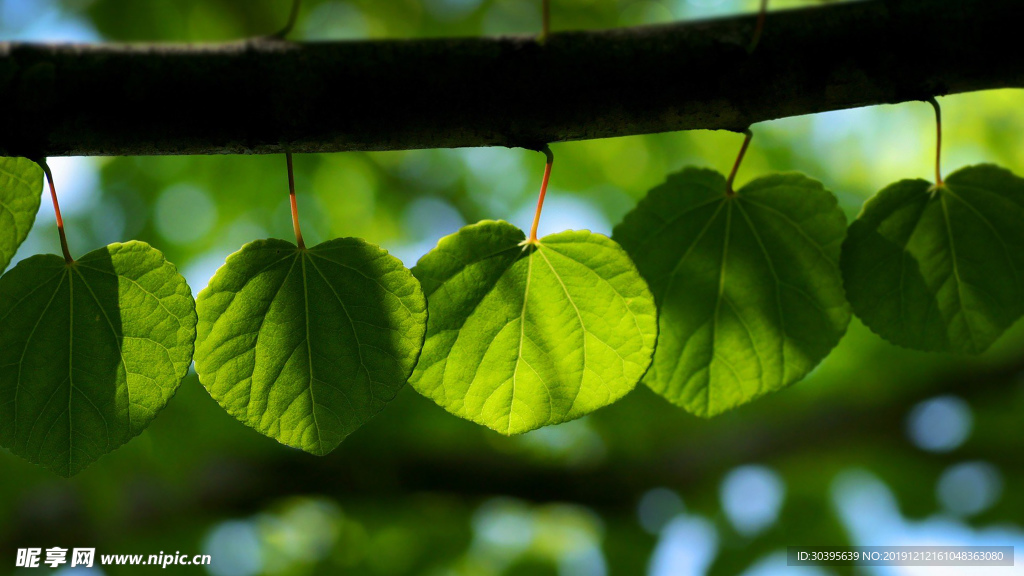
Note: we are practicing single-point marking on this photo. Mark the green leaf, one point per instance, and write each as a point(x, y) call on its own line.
point(306, 345)
point(749, 292)
point(90, 352)
point(524, 335)
point(940, 268)
point(21, 186)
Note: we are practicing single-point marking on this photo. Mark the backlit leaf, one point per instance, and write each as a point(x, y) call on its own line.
point(525, 335)
point(21, 185)
point(306, 345)
point(750, 297)
point(90, 352)
point(940, 268)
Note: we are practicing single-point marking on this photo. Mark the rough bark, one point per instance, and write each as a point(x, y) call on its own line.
point(253, 96)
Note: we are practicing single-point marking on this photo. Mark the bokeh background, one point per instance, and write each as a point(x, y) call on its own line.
point(879, 446)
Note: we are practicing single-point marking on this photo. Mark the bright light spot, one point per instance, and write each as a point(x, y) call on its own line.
point(42, 21)
point(410, 254)
point(563, 212)
point(851, 139)
point(199, 270)
point(504, 524)
point(687, 547)
point(829, 128)
point(184, 213)
point(657, 508)
point(696, 9)
point(235, 547)
point(565, 535)
point(871, 515)
point(76, 179)
point(485, 162)
point(431, 218)
point(752, 497)
point(498, 177)
point(940, 424)
point(866, 506)
point(21, 13)
point(426, 221)
point(588, 560)
point(969, 487)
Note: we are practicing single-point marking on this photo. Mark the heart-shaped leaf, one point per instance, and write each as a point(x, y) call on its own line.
point(940, 268)
point(749, 292)
point(21, 186)
point(306, 345)
point(90, 351)
point(523, 335)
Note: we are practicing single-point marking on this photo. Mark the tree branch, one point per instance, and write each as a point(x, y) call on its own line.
point(250, 97)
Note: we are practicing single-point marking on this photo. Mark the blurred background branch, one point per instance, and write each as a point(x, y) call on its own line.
point(240, 485)
point(250, 97)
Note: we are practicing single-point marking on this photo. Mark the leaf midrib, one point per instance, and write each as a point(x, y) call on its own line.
point(71, 367)
point(956, 271)
point(351, 322)
point(309, 353)
point(583, 328)
point(986, 221)
point(718, 300)
point(778, 295)
point(120, 353)
point(522, 337)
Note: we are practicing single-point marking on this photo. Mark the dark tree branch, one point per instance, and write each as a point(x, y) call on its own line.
point(251, 97)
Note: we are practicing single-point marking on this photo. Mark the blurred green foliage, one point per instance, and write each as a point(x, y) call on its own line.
point(417, 491)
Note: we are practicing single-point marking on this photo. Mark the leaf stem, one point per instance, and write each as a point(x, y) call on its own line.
point(729, 191)
point(293, 17)
point(938, 140)
point(56, 211)
point(543, 192)
point(545, 8)
point(295, 206)
point(759, 27)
